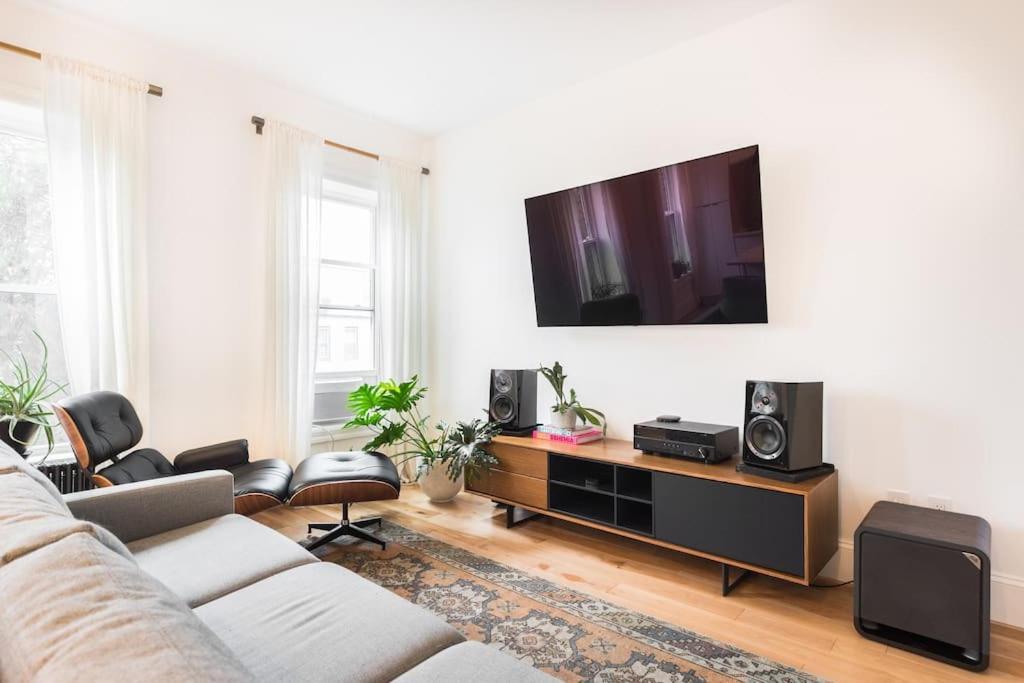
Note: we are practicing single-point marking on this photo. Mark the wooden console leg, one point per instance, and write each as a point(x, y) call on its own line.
point(727, 586)
point(512, 518)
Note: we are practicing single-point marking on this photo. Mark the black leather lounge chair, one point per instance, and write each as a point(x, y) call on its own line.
point(102, 426)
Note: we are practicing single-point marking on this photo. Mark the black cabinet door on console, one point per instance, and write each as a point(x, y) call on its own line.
point(742, 523)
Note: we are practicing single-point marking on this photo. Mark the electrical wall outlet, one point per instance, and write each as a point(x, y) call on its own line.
point(940, 503)
point(897, 496)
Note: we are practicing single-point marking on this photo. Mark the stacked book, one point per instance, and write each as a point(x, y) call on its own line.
point(575, 436)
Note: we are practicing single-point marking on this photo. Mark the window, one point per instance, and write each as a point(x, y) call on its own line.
point(28, 289)
point(347, 343)
point(323, 343)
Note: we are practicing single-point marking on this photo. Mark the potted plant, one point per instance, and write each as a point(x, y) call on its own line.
point(465, 452)
point(391, 411)
point(567, 411)
point(24, 402)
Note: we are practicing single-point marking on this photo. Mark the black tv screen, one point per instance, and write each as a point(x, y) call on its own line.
point(678, 245)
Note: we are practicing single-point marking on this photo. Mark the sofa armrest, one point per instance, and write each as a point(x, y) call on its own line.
point(145, 508)
point(220, 456)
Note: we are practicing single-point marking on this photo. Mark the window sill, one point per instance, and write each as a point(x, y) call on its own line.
point(61, 455)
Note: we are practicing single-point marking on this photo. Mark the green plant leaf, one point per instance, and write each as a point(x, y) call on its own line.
point(594, 417)
point(364, 398)
point(465, 448)
point(25, 398)
point(389, 435)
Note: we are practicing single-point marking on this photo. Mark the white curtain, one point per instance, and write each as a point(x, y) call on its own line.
point(96, 136)
point(293, 168)
point(400, 222)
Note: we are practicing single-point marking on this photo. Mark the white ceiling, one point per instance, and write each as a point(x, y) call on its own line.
point(430, 65)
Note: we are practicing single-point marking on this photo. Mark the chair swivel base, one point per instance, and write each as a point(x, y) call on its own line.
point(346, 528)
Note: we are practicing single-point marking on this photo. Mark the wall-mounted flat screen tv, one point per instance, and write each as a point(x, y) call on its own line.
point(678, 245)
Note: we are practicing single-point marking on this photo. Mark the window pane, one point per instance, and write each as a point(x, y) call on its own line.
point(26, 249)
point(347, 232)
point(22, 314)
point(345, 342)
point(345, 286)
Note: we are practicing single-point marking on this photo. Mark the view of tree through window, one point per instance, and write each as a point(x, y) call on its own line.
point(28, 293)
point(28, 288)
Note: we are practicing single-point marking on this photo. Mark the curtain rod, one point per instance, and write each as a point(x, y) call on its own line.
point(17, 49)
point(259, 122)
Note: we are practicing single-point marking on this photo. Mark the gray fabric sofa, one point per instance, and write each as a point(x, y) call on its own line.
point(159, 580)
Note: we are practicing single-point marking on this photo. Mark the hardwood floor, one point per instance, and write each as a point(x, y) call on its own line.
point(808, 628)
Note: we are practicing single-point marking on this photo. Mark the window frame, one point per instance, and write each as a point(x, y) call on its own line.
point(347, 381)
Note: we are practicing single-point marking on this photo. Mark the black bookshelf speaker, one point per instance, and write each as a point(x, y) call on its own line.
point(782, 425)
point(921, 582)
point(513, 402)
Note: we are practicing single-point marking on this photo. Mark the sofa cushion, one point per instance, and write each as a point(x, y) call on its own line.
point(206, 560)
point(75, 610)
point(473, 662)
point(31, 518)
point(321, 622)
point(10, 462)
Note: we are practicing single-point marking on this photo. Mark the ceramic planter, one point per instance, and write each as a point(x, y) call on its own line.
point(24, 433)
point(566, 420)
point(438, 487)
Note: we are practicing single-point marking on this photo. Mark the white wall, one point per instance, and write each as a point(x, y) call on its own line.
point(206, 234)
point(892, 155)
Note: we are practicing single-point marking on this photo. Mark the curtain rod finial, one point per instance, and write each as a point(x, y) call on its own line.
point(258, 122)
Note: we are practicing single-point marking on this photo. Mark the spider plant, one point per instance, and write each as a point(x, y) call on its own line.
point(556, 377)
point(24, 402)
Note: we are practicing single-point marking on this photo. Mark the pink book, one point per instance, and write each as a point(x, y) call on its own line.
point(574, 439)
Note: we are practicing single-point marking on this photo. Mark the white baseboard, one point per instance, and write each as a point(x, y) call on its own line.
point(1007, 591)
point(1008, 599)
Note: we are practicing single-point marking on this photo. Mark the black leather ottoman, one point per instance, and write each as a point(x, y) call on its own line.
point(344, 478)
point(260, 484)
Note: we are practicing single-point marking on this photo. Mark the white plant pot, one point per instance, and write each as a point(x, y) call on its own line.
point(438, 487)
point(566, 420)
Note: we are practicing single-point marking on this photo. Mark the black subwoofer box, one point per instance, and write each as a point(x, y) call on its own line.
point(921, 582)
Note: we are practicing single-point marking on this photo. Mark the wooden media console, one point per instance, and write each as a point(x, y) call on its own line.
point(786, 530)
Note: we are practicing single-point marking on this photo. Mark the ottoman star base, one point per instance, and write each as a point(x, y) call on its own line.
point(346, 528)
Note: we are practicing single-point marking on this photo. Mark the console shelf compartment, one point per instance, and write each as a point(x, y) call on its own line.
point(581, 502)
point(633, 483)
point(634, 516)
point(577, 472)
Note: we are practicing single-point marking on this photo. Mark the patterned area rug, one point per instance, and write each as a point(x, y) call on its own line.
point(568, 634)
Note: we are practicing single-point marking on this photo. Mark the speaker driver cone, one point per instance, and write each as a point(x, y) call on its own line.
point(503, 409)
point(765, 437)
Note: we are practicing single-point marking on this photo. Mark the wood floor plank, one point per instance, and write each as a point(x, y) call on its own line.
point(805, 627)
